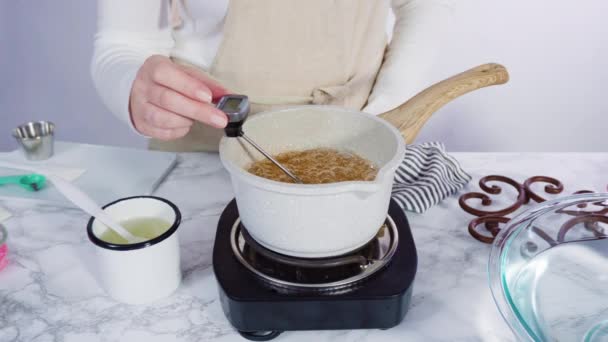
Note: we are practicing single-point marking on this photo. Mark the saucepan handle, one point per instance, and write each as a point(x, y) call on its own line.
point(413, 114)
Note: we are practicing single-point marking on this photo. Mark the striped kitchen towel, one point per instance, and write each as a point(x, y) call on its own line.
point(426, 176)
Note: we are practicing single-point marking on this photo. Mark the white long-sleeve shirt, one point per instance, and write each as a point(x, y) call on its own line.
point(129, 31)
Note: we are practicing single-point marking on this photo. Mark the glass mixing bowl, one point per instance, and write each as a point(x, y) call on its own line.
point(549, 270)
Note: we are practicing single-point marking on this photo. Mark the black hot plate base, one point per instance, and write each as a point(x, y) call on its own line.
point(260, 312)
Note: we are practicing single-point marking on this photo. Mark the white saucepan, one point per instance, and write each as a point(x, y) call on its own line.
point(314, 221)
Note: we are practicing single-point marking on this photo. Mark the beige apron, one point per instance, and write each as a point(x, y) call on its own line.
point(293, 52)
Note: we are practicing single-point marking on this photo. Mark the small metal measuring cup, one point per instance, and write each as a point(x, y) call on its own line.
point(36, 139)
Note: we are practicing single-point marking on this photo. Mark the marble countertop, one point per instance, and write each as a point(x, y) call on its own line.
point(48, 291)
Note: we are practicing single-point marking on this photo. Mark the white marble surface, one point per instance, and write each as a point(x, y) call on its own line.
point(49, 291)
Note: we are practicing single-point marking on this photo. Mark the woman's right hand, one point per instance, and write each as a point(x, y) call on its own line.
point(166, 99)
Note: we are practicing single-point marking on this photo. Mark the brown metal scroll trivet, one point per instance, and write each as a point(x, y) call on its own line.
point(491, 220)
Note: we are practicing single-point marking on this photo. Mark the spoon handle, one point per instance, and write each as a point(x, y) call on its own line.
point(10, 180)
point(79, 198)
point(88, 205)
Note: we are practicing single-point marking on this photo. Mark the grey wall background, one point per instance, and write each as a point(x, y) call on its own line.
point(44, 69)
point(556, 53)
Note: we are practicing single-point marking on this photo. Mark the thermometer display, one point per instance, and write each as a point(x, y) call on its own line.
point(232, 105)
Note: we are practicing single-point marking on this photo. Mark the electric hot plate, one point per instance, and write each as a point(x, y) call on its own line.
point(264, 293)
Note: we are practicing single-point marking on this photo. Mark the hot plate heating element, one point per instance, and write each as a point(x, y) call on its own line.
point(264, 293)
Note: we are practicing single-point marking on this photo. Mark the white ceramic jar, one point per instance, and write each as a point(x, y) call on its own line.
point(141, 272)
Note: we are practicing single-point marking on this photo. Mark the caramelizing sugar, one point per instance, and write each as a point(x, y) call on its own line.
point(317, 166)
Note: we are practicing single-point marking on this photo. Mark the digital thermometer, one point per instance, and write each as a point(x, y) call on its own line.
point(236, 108)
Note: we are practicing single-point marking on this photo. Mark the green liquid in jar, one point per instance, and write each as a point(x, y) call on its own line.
point(145, 227)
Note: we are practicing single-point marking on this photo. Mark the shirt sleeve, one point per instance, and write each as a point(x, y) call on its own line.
point(128, 32)
point(418, 30)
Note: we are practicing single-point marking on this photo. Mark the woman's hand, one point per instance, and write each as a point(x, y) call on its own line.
point(166, 99)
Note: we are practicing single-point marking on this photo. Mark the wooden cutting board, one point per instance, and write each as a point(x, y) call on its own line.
point(106, 173)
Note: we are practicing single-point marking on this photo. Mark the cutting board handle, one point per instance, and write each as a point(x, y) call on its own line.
point(413, 114)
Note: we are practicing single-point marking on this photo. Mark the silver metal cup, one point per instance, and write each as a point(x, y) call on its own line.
point(36, 139)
